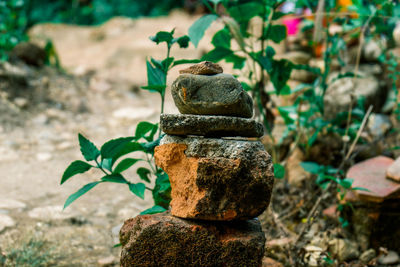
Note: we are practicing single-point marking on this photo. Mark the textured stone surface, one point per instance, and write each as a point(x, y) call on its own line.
point(216, 179)
point(30, 53)
point(343, 249)
point(371, 174)
point(393, 172)
point(165, 240)
point(219, 94)
point(203, 68)
point(338, 95)
point(185, 124)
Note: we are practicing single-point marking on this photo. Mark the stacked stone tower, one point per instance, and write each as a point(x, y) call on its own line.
point(221, 179)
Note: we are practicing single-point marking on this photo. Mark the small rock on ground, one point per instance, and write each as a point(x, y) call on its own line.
point(6, 221)
point(344, 249)
point(393, 172)
point(391, 258)
point(49, 213)
point(107, 262)
point(367, 255)
point(11, 204)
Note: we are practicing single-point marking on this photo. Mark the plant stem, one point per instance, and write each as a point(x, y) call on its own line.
point(101, 168)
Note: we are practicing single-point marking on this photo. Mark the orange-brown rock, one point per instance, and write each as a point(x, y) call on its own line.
point(203, 68)
point(166, 240)
point(216, 179)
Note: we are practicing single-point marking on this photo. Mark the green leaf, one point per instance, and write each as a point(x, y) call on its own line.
point(79, 193)
point(125, 164)
point(113, 147)
point(222, 39)
point(277, 15)
point(310, 167)
point(162, 37)
point(155, 88)
point(279, 171)
point(288, 113)
point(277, 33)
point(88, 149)
point(107, 164)
point(74, 168)
point(144, 174)
point(183, 41)
point(280, 73)
point(245, 12)
point(149, 147)
point(185, 61)
point(346, 183)
point(153, 210)
point(196, 31)
point(138, 189)
point(155, 75)
point(114, 178)
point(270, 52)
point(162, 190)
point(166, 63)
point(360, 189)
point(238, 62)
point(145, 128)
point(217, 54)
point(128, 148)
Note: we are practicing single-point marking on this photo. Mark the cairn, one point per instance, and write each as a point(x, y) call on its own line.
point(221, 179)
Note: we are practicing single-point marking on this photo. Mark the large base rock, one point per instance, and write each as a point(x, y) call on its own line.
point(216, 179)
point(183, 124)
point(165, 240)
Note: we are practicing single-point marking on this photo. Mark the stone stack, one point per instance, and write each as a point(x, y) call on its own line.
point(220, 179)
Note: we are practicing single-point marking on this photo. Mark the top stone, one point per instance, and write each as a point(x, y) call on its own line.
point(203, 68)
point(219, 94)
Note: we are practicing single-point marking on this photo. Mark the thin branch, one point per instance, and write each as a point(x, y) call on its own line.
point(316, 205)
point(364, 121)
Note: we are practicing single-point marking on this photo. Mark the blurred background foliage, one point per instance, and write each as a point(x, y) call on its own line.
point(16, 16)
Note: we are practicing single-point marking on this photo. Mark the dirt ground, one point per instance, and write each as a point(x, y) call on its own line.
point(97, 94)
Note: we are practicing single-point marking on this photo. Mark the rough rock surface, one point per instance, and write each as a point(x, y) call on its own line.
point(338, 95)
point(393, 172)
point(165, 240)
point(219, 94)
point(344, 249)
point(203, 68)
point(216, 179)
point(371, 174)
point(30, 53)
point(185, 124)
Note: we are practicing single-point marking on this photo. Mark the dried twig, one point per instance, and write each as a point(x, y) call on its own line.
point(316, 205)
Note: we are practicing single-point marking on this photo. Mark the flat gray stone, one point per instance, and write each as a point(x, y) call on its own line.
point(215, 126)
point(219, 94)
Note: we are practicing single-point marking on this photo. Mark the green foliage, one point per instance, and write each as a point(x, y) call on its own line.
point(12, 26)
point(147, 137)
point(196, 31)
point(33, 253)
point(279, 171)
point(74, 168)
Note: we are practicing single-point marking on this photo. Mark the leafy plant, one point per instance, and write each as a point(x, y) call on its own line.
point(113, 158)
point(326, 175)
point(33, 253)
point(12, 26)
